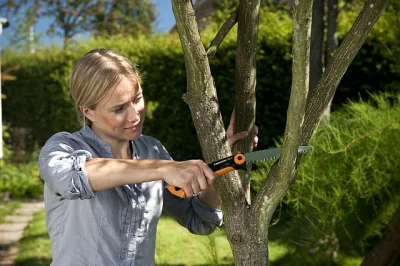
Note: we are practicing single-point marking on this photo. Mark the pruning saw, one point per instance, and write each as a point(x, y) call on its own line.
point(239, 161)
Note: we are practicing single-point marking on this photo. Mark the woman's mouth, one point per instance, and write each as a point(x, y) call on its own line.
point(132, 127)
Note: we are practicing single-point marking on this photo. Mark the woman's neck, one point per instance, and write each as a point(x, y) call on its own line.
point(121, 150)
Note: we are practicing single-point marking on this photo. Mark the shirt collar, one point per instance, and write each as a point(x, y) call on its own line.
point(104, 148)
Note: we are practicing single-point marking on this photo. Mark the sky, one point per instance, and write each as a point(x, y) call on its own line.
point(165, 20)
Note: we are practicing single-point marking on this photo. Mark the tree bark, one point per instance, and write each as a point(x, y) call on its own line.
point(387, 251)
point(302, 15)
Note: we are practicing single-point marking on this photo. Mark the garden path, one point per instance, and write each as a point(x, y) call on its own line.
point(13, 229)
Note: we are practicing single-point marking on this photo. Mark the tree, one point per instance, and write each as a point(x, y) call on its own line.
point(247, 222)
point(129, 17)
point(75, 17)
point(387, 251)
point(320, 53)
point(70, 17)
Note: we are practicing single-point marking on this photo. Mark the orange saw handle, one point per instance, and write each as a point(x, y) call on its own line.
point(220, 167)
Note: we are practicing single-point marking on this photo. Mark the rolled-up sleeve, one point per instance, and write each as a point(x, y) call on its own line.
point(63, 169)
point(191, 213)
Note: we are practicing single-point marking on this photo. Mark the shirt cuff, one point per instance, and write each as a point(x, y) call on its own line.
point(208, 214)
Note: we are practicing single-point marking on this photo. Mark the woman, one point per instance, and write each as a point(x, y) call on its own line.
point(105, 184)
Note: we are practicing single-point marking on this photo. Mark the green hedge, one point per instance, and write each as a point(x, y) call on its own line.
point(21, 181)
point(39, 99)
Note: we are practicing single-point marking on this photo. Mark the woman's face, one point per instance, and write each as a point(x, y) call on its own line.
point(120, 117)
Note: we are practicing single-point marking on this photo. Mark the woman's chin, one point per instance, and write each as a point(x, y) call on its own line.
point(132, 133)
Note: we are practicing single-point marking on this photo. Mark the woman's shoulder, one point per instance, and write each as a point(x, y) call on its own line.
point(64, 140)
point(63, 136)
point(150, 147)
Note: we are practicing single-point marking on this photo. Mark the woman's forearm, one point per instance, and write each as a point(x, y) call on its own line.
point(109, 173)
point(192, 176)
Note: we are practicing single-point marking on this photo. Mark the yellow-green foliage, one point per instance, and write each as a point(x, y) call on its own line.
point(21, 181)
point(347, 188)
point(18, 180)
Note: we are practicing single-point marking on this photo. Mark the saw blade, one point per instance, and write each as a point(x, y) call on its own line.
point(270, 154)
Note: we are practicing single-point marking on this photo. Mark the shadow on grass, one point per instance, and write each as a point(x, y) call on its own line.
point(8, 245)
point(33, 262)
point(34, 237)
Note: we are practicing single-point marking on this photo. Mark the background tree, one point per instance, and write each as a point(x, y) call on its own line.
point(323, 41)
point(24, 38)
point(74, 17)
point(69, 17)
point(127, 18)
point(247, 224)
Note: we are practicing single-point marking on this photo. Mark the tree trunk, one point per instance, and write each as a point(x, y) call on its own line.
point(387, 251)
point(247, 234)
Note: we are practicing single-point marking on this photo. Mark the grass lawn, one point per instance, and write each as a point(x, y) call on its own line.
point(175, 246)
point(35, 244)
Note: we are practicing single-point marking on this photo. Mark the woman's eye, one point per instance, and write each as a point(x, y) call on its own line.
point(137, 99)
point(119, 110)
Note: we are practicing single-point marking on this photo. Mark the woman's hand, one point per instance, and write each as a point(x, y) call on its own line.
point(192, 176)
point(233, 138)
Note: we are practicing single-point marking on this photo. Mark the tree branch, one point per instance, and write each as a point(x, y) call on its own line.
point(338, 64)
point(221, 34)
point(245, 78)
point(202, 98)
point(279, 178)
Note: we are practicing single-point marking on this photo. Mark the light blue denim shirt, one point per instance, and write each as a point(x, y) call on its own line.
point(115, 226)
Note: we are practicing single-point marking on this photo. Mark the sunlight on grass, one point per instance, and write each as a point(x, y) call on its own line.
point(177, 246)
point(351, 261)
point(35, 244)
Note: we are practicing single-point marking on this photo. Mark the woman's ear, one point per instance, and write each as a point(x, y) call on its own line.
point(88, 113)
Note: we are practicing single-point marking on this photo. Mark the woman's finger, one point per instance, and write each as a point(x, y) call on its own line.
point(238, 136)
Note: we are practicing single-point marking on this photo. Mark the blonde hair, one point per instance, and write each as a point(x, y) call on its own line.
point(95, 76)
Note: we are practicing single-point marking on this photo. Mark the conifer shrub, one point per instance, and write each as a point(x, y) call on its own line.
point(346, 191)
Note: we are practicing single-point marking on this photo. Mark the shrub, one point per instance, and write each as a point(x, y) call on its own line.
point(347, 188)
point(21, 181)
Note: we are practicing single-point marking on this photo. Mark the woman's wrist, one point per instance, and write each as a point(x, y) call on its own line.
point(210, 197)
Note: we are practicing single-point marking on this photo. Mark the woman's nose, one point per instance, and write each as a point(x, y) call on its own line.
point(133, 114)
